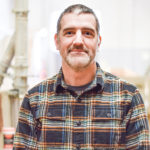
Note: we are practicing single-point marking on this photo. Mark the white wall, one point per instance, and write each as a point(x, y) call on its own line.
point(124, 29)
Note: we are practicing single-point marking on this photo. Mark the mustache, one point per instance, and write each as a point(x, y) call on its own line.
point(80, 47)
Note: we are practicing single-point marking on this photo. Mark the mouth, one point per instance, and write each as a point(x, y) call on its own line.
point(77, 51)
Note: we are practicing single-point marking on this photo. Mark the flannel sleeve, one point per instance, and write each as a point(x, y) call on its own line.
point(137, 131)
point(25, 137)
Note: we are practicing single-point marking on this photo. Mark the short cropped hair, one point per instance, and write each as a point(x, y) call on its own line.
point(80, 9)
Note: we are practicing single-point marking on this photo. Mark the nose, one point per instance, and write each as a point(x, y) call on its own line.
point(78, 38)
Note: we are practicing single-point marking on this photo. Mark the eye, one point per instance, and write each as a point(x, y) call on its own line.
point(68, 33)
point(89, 34)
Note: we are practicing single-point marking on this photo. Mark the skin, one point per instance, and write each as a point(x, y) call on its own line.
point(77, 43)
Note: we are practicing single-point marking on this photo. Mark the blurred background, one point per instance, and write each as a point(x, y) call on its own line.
point(28, 54)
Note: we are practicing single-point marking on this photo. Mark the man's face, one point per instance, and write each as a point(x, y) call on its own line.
point(77, 40)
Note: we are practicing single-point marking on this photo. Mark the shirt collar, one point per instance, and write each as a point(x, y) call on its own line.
point(98, 82)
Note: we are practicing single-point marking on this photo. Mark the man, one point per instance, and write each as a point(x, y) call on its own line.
point(82, 107)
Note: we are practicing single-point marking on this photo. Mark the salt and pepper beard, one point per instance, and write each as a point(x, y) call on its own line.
point(80, 60)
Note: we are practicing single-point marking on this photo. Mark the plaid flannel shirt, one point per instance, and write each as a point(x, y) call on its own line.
point(108, 115)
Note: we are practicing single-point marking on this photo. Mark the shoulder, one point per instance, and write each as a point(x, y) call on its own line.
point(42, 89)
point(119, 83)
point(122, 90)
point(43, 85)
point(38, 94)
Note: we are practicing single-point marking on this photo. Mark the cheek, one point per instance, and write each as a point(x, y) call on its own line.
point(63, 49)
point(90, 43)
point(93, 49)
point(65, 44)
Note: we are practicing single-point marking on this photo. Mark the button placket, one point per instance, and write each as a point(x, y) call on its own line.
point(78, 99)
point(78, 123)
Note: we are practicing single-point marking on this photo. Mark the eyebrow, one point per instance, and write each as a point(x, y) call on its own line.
point(84, 28)
point(66, 29)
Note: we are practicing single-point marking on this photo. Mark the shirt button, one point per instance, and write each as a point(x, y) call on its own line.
point(79, 123)
point(78, 147)
point(49, 114)
point(108, 114)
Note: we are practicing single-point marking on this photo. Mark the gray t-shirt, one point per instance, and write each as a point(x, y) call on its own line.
point(79, 89)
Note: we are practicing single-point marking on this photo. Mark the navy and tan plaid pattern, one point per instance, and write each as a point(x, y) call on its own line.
point(108, 115)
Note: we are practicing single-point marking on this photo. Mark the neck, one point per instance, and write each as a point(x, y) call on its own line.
point(79, 77)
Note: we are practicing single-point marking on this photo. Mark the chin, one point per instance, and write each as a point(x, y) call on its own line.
point(78, 62)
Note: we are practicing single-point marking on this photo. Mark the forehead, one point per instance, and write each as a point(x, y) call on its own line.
point(73, 20)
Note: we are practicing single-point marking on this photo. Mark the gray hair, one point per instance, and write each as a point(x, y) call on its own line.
point(79, 9)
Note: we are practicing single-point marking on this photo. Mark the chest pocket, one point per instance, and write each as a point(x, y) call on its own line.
point(56, 113)
point(107, 127)
point(106, 114)
point(50, 122)
point(51, 112)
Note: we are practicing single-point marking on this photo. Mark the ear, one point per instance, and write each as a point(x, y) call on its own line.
point(99, 40)
point(56, 39)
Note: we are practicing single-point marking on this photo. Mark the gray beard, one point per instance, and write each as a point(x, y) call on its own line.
point(78, 62)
